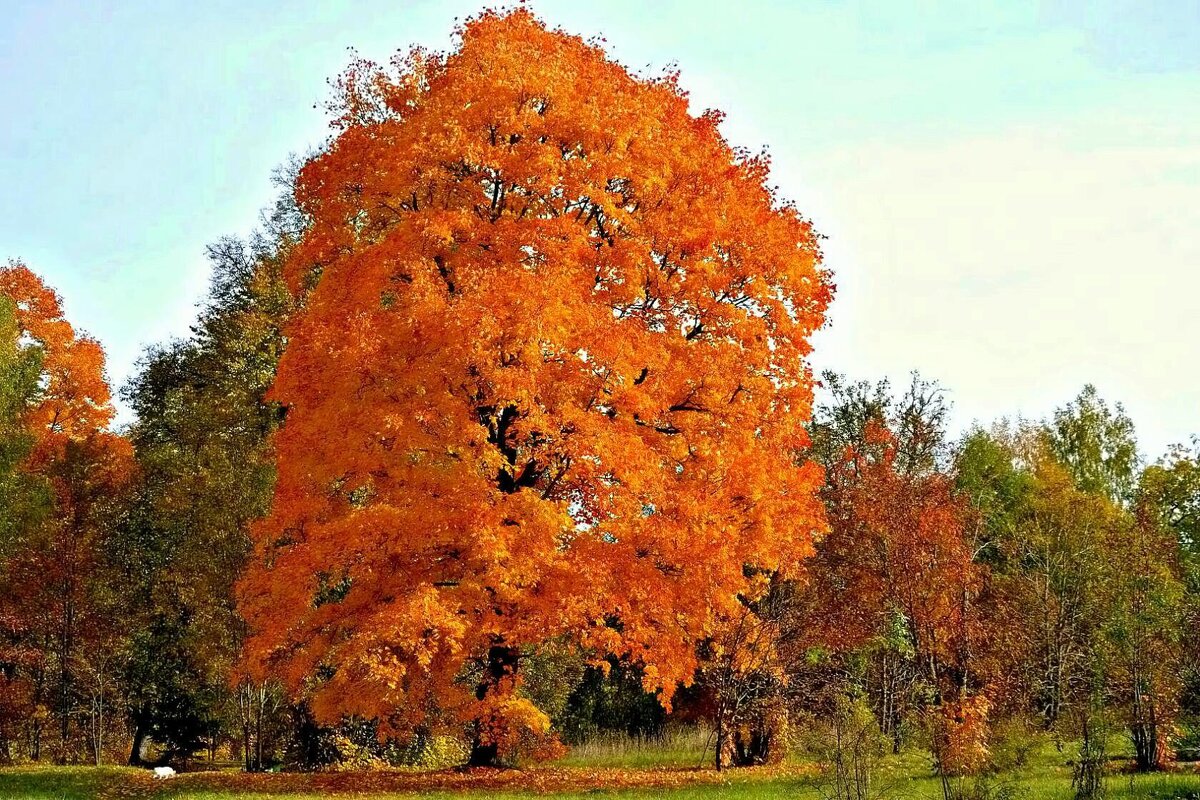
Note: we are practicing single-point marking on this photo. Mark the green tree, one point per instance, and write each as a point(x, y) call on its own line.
point(1143, 631)
point(1062, 556)
point(988, 471)
point(1169, 492)
point(202, 442)
point(1170, 489)
point(1097, 444)
point(23, 496)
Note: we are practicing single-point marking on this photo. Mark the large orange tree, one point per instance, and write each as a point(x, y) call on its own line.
point(548, 380)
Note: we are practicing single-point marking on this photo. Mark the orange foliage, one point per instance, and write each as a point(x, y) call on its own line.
point(75, 401)
point(897, 545)
point(550, 380)
point(960, 735)
point(85, 464)
point(516, 727)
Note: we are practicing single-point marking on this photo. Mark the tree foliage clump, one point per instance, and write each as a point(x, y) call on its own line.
point(557, 341)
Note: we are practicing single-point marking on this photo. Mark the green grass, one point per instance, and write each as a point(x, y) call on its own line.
point(65, 783)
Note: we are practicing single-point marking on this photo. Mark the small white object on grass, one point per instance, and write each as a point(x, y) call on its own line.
point(164, 772)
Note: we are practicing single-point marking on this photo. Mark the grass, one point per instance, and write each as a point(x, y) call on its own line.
point(615, 767)
point(678, 747)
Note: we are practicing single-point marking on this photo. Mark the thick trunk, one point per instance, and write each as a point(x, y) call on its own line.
point(140, 733)
point(483, 754)
point(762, 739)
point(501, 663)
point(751, 748)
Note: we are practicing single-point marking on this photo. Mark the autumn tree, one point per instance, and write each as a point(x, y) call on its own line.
point(994, 473)
point(1169, 498)
point(24, 498)
point(899, 567)
point(1142, 550)
point(1045, 541)
point(56, 598)
point(548, 380)
point(1151, 629)
point(891, 592)
point(1144, 632)
point(749, 667)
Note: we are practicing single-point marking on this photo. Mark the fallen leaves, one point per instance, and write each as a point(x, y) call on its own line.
point(541, 780)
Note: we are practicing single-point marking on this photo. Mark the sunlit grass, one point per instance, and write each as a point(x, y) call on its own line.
point(676, 747)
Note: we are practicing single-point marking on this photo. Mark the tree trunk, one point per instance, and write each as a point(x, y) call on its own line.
point(760, 740)
point(65, 678)
point(260, 710)
point(247, 753)
point(100, 727)
point(35, 741)
point(719, 759)
point(139, 742)
point(501, 663)
point(1144, 731)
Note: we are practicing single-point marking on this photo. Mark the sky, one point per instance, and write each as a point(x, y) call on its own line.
point(1010, 192)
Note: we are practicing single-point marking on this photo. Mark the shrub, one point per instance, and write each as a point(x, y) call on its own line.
point(1012, 743)
point(850, 747)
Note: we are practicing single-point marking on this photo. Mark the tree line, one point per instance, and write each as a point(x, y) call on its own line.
point(499, 433)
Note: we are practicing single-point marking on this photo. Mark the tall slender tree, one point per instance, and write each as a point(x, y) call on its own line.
point(202, 440)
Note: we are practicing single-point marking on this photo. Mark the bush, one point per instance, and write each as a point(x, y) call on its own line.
point(850, 747)
point(1013, 743)
point(959, 736)
point(311, 746)
point(426, 751)
point(1187, 743)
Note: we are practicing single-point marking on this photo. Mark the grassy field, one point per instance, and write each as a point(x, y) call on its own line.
point(618, 768)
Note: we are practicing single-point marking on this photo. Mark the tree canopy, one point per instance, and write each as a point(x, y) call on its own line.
point(553, 337)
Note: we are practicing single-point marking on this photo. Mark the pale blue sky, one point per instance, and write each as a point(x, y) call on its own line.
point(1011, 190)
